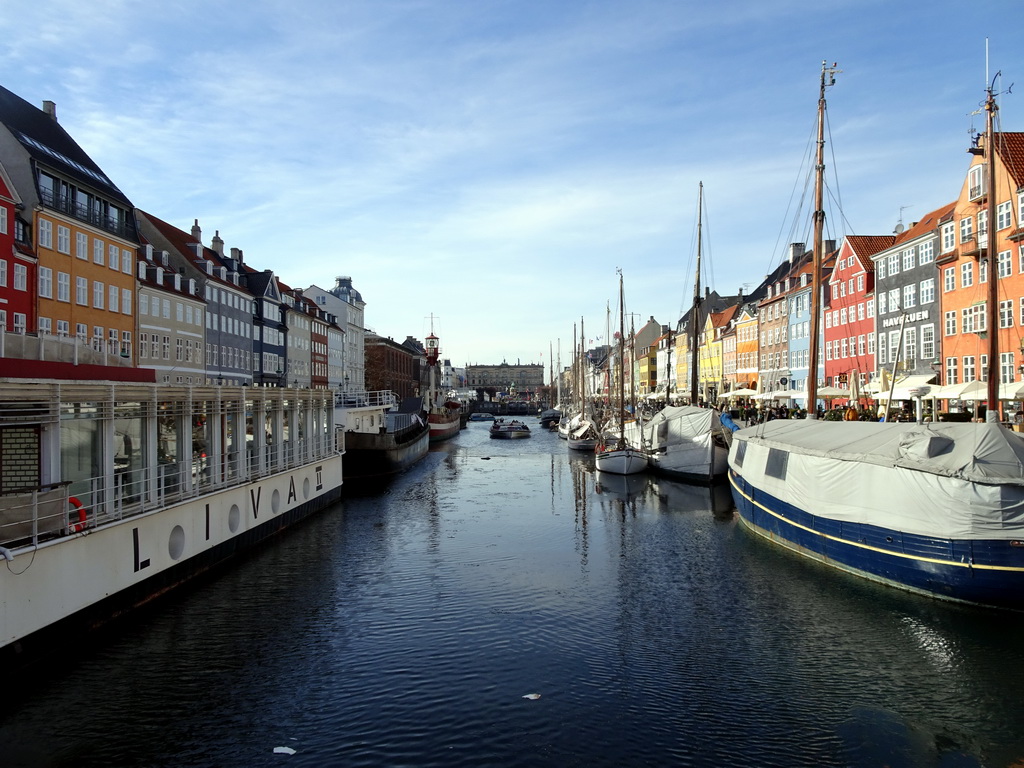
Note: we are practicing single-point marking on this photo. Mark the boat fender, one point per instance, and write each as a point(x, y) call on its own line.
point(82, 514)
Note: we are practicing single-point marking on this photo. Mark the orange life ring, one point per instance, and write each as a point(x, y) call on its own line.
point(82, 514)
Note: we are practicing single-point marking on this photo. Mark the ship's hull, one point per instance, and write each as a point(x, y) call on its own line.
point(75, 583)
point(625, 461)
point(372, 455)
point(987, 572)
point(443, 426)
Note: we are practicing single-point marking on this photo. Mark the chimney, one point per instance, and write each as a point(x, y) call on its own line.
point(707, 291)
point(217, 243)
point(50, 108)
point(796, 250)
point(197, 233)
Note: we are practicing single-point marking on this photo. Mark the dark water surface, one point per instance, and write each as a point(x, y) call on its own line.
point(405, 626)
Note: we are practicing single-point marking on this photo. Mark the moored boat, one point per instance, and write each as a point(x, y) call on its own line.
point(621, 456)
point(934, 508)
point(444, 415)
point(126, 490)
point(381, 439)
point(687, 443)
point(478, 416)
point(511, 429)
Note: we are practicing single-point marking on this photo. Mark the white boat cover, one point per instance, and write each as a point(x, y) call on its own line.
point(685, 422)
point(950, 480)
point(980, 453)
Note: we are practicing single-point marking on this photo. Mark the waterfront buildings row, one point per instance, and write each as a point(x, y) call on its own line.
point(88, 279)
point(909, 306)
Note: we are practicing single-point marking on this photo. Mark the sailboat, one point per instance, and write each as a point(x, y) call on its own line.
point(582, 433)
point(688, 442)
point(620, 458)
point(933, 508)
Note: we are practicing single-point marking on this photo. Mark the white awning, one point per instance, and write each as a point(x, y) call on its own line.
point(908, 386)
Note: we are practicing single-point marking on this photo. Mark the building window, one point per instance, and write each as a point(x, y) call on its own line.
point(969, 369)
point(45, 326)
point(926, 252)
point(113, 299)
point(45, 233)
point(909, 296)
point(949, 278)
point(951, 371)
point(927, 294)
point(966, 275)
point(45, 283)
point(910, 346)
point(63, 239)
point(82, 246)
point(64, 287)
point(3, 273)
point(97, 251)
point(894, 300)
point(97, 294)
point(893, 267)
point(949, 320)
point(883, 303)
point(1004, 264)
point(126, 261)
point(126, 301)
point(966, 230)
point(1006, 313)
point(982, 223)
point(20, 277)
point(909, 262)
point(948, 237)
point(3, 220)
point(143, 344)
point(927, 342)
point(63, 328)
point(1004, 215)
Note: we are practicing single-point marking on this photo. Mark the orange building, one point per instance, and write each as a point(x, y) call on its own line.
point(964, 269)
point(83, 230)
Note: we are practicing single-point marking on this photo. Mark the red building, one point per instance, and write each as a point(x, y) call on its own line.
point(18, 264)
point(849, 332)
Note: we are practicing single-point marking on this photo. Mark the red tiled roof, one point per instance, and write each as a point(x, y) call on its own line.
point(1010, 147)
point(928, 222)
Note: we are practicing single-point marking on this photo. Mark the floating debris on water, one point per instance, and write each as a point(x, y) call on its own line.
point(532, 696)
point(284, 751)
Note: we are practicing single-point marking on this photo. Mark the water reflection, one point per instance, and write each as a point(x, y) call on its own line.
point(404, 627)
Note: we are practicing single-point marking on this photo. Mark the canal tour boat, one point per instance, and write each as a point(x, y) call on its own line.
point(115, 492)
point(933, 508)
point(512, 429)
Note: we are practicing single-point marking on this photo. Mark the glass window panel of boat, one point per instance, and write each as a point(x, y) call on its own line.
point(170, 433)
point(778, 461)
point(81, 450)
point(201, 442)
point(130, 447)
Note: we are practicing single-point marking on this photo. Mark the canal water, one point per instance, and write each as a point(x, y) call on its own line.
point(501, 604)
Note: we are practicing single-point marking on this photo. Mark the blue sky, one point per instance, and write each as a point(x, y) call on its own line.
point(492, 163)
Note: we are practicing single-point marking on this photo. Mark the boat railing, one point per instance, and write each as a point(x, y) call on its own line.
point(28, 515)
point(383, 398)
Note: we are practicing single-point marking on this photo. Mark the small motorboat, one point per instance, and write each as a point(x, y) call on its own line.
point(509, 430)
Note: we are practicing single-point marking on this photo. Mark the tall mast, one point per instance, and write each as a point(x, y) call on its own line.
point(695, 313)
point(992, 309)
point(828, 77)
point(622, 352)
